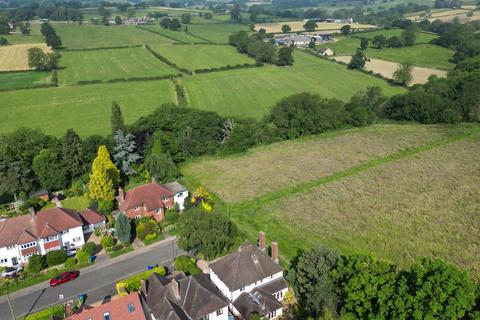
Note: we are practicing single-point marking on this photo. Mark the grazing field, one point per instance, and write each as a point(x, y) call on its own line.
point(387, 69)
point(76, 36)
point(179, 36)
point(423, 205)
point(462, 17)
point(252, 92)
point(276, 27)
point(422, 37)
point(274, 167)
point(110, 64)
point(18, 38)
point(202, 56)
point(15, 57)
point(216, 32)
point(85, 108)
point(12, 80)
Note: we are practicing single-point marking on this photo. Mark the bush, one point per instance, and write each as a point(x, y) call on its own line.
point(107, 241)
point(187, 265)
point(89, 248)
point(146, 227)
point(56, 257)
point(151, 237)
point(71, 262)
point(170, 228)
point(36, 263)
point(82, 256)
point(116, 248)
point(171, 216)
point(105, 207)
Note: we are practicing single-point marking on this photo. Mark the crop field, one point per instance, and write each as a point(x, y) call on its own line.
point(12, 80)
point(110, 64)
point(387, 69)
point(85, 108)
point(34, 37)
point(15, 57)
point(252, 92)
point(76, 36)
point(202, 56)
point(179, 36)
point(276, 27)
point(271, 168)
point(216, 32)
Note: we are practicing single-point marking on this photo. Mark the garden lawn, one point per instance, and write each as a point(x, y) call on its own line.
point(18, 38)
point(110, 64)
point(172, 36)
point(77, 203)
point(248, 93)
point(202, 56)
point(76, 36)
point(12, 80)
point(85, 108)
point(216, 32)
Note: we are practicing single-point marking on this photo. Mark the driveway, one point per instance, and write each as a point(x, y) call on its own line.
point(97, 281)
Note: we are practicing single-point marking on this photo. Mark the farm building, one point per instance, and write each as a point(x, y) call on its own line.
point(326, 52)
point(296, 40)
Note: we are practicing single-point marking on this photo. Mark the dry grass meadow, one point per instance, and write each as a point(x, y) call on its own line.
point(387, 68)
point(424, 205)
point(15, 57)
point(276, 27)
point(271, 168)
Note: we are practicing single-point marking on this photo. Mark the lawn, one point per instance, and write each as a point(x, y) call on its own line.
point(34, 37)
point(175, 36)
point(252, 92)
point(110, 64)
point(205, 56)
point(15, 57)
point(422, 37)
point(77, 203)
point(85, 108)
point(216, 32)
point(12, 80)
point(76, 36)
point(271, 168)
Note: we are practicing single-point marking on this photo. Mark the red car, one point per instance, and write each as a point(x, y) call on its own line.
point(64, 277)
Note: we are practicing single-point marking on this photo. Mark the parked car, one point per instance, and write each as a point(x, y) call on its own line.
point(71, 252)
point(64, 277)
point(11, 272)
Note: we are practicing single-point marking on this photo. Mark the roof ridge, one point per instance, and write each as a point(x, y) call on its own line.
point(237, 257)
point(186, 292)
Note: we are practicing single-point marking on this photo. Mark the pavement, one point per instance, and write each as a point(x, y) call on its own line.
point(97, 281)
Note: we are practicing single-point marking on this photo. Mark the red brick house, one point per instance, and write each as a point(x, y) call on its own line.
point(148, 200)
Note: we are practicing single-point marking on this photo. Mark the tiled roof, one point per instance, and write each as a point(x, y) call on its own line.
point(274, 286)
point(149, 195)
point(26, 237)
point(12, 229)
point(30, 250)
point(58, 219)
point(244, 267)
point(51, 244)
point(120, 309)
point(174, 187)
point(91, 217)
point(256, 302)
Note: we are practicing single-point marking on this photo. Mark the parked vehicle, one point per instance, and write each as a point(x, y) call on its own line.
point(64, 277)
point(71, 252)
point(11, 272)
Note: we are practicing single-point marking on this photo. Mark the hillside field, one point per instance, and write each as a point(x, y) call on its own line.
point(15, 57)
point(110, 64)
point(12, 80)
point(252, 92)
point(174, 36)
point(85, 108)
point(398, 192)
point(18, 38)
point(202, 56)
point(297, 26)
point(216, 32)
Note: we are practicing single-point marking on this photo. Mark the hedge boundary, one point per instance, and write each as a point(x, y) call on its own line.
point(165, 60)
point(180, 93)
point(104, 48)
point(229, 67)
point(116, 80)
point(163, 35)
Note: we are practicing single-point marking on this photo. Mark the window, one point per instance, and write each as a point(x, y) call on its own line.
point(106, 316)
point(28, 245)
point(10, 247)
point(3, 261)
point(64, 232)
point(205, 317)
point(242, 289)
point(219, 312)
point(136, 208)
point(52, 238)
point(131, 308)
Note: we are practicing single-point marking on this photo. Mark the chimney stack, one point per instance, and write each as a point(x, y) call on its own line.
point(175, 286)
point(154, 180)
point(275, 251)
point(57, 202)
point(121, 195)
point(261, 241)
point(143, 287)
point(31, 211)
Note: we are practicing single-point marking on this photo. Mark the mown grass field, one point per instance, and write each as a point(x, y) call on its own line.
point(15, 57)
point(422, 37)
point(110, 64)
point(11, 80)
point(252, 92)
point(216, 32)
point(76, 36)
point(400, 193)
point(202, 56)
point(18, 38)
point(276, 27)
point(175, 36)
point(85, 108)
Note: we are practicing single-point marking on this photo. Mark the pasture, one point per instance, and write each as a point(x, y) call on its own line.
point(252, 92)
point(216, 32)
point(422, 37)
point(18, 38)
point(202, 56)
point(110, 64)
point(276, 27)
point(85, 108)
point(15, 57)
point(174, 36)
point(12, 80)
point(76, 36)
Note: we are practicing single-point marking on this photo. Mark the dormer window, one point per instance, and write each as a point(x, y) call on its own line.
point(136, 208)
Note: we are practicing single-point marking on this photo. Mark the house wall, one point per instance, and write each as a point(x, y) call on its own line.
point(91, 227)
point(8, 254)
point(158, 214)
point(42, 242)
point(73, 238)
point(252, 286)
point(179, 199)
point(220, 285)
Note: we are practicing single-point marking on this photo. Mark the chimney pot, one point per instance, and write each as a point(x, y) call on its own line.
point(121, 195)
point(154, 180)
point(275, 251)
point(31, 211)
point(175, 288)
point(261, 241)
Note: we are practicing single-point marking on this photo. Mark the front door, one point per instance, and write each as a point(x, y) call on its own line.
point(14, 261)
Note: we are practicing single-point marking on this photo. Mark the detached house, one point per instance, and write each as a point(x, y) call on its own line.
point(38, 233)
point(184, 298)
point(152, 199)
point(251, 280)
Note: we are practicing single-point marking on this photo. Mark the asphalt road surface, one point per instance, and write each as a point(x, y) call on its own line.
point(97, 281)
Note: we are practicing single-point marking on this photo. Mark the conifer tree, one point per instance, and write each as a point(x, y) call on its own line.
point(117, 119)
point(123, 229)
point(73, 154)
point(104, 177)
point(125, 153)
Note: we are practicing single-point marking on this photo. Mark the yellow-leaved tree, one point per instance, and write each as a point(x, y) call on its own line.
point(201, 196)
point(104, 178)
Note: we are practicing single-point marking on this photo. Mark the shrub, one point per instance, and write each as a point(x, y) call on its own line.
point(146, 227)
point(171, 216)
point(170, 228)
point(56, 257)
point(89, 248)
point(36, 263)
point(82, 256)
point(151, 237)
point(105, 207)
point(116, 247)
point(107, 241)
point(187, 265)
point(71, 262)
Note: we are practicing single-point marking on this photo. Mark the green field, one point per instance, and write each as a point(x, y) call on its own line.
point(18, 38)
point(252, 92)
point(110, 64)
point(76, 36)
point(202, 56)
point(11, 80)
point(179, 36)
point(85, 108)
point(216, 32)
point(422, 37)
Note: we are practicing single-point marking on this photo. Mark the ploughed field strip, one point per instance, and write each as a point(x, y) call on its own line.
point(15, 57)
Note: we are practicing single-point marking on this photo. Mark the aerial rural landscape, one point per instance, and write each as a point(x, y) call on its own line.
point(239, 159)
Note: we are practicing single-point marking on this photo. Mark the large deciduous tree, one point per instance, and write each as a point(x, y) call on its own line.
point(285, 56)
point(104, 177)
point(403, 74)
point(161, 167)
point(358, 60)
point(124, 152)
point(310, 26)
point(50, 169)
